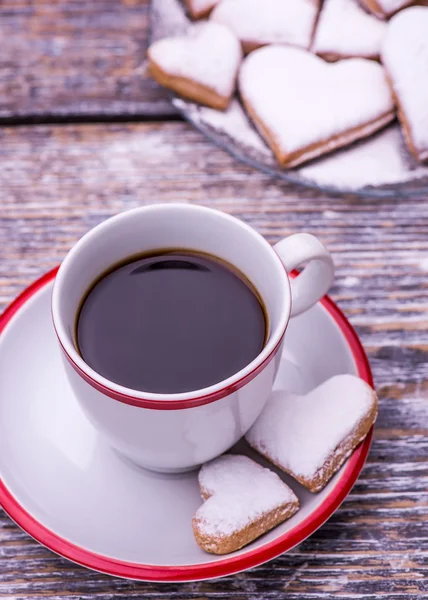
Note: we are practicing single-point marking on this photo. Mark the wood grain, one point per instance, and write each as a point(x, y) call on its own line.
point(57, 182)
point(76, 58)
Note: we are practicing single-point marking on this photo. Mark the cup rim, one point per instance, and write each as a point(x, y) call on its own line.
point(181, 400)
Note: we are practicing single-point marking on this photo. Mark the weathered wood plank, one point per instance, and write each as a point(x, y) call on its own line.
point(75, 58)
point(57, 182)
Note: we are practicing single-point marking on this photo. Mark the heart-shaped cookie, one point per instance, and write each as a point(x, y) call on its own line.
point(405, 56)
point(201, 65)
point(242, 501)
point(200, 8)
point(346, 30)
point(260, 22)
point(309, 437)
point(305, 107)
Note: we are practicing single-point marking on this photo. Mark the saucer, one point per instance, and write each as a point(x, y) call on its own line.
point(71, 492)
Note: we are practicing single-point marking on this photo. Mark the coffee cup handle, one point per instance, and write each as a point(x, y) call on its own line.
point(316, 277)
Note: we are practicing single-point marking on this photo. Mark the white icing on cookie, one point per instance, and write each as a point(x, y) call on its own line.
point(405, 56)
point(345, 29)
point(259, 22)
point(200, 7)
point(388, 7)
point(302, 100)
point(241, 491)
point(301, 432)
point(209, 55)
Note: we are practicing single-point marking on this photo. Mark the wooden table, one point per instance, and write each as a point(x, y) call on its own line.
point(84, 134)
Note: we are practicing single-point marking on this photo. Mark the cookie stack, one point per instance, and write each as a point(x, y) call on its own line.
point(313, 77)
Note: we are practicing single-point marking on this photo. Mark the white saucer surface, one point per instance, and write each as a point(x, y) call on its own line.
point(58, 469)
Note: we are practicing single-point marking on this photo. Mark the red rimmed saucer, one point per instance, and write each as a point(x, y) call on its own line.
point(65, 487)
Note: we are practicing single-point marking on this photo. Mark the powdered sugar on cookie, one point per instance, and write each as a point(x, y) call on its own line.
point(405, 56)
point(310, 436)
point(239, 491)
point(242, 501)
point(346, 30)
point(385, 8)
point(260, 22)
point(200, 8)
point(208, 56)
point(304, 106)
point(391, 6)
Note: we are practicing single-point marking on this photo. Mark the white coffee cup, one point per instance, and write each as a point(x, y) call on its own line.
point(176, 432)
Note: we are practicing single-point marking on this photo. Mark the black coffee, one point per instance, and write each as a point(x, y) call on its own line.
point(170, 322)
